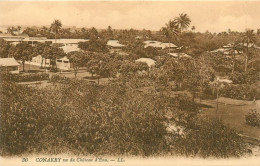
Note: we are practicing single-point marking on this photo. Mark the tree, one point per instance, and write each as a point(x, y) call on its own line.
point(249, 39)
point(170, 31)
point(53, 53)
point(23, 52)
point(55, 27)
point(95, 45)
point(183, 21)
point(235, 47)
point(110, 34)
point(4, 48)
point(39, 50)
point(193, 28)
point(78, 59)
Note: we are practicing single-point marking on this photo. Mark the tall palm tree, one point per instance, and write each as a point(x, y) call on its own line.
point(234, 48)
point(55, 27)
point(248, 38)
point(170, 31)
point(183, 21)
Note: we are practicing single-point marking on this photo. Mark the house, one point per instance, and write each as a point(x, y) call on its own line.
point(63, 63)
point(10, 65)
point(70, 48)
point(39, 61)
point(157, 44)
point(148, 61)
point(114, 46)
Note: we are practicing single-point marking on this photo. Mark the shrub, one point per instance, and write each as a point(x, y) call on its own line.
point(25, 78)
point(210, 138)
point(112, 119)
point(245, 77)
point(253, 118)
point(241, 92)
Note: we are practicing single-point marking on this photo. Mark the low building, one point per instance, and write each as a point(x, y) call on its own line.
point(157, 44)
point(114, 46)
point(39, 61)
point(9, 65)
point(148, 61)
point(63, 63)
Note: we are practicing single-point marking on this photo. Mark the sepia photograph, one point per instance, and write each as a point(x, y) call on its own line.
point(129, 82)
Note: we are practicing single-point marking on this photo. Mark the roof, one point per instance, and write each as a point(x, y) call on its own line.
point(68, 41)
point(64, 58)
point(157, 44)
point(70, 48)
point(8, 62)
point(114, 43)
point(148, 61)
point(181, 55)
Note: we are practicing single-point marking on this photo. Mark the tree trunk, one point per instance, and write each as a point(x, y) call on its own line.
point(246, 61)
point(23, 64)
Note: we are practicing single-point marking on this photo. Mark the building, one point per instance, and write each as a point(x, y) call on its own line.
point(157, 44)
point(39, 61)
point(33, 40)
point(63, 63)
point(114, 46)
point(148, 61)
point(10, 65)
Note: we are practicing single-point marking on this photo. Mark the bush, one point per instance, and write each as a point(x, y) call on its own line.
point(241, 92)
point(253, 118)
point(113, 119)
point(210, 138)
point(245, 77)
point(25, 78)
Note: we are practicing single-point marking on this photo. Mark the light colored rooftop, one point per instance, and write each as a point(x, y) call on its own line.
point(8, 62)
point(114, 43)
point(148, 61)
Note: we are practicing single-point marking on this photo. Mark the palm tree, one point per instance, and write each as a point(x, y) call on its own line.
point(171, 30)
point(55, 27)
point(183, 21)
point(234, 48)
point(248, 38)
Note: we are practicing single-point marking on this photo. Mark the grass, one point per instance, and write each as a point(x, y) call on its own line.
point(232, 115)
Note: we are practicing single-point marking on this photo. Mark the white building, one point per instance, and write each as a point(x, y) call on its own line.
point(10, 65)
point(63, 63)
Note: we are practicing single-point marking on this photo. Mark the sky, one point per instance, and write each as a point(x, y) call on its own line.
point(214, 16)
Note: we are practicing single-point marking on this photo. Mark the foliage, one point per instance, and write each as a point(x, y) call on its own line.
point(25, 77)
point(22, 51)
point(241, 91)
point(210, 138)
point(113, 119)
point(78, 59)
point(249, 77)
point(95, 45)
point(253, 118)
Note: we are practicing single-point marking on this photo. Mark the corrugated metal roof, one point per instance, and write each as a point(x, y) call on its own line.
point(8, 62)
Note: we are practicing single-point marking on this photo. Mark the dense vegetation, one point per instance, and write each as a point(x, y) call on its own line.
point(83, 118)
point(140, 110)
